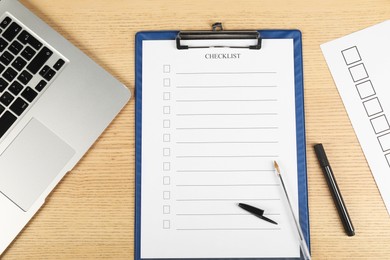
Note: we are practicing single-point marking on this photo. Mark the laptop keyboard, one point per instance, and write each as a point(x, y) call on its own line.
point(26, 68)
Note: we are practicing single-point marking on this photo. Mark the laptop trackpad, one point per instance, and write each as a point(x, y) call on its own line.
point(31, 162)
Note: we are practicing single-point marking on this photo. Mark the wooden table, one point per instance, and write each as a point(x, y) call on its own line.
point(91, 213)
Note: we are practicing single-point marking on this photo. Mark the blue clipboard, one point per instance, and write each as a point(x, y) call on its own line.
point(300, 127)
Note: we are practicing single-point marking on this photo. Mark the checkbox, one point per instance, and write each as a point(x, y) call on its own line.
point(365, 89)
point(380, 124)
point(166, 209)
point(167, 68)
point(384, 141)
point(373, 107)
point(388, 158)
point(166, 123)
point(358, 72)
point(167, 96)
point(166, 180)
point(167, 151)
point(167, 82)
point(166, 166)
point(166, 110)
point(166, 224)
point(166, 195)
point(166, 137)
point(351, 55)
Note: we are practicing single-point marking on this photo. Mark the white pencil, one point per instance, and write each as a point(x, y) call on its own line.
point(302, 241)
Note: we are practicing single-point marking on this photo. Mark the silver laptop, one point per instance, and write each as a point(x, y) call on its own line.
point(54, 103)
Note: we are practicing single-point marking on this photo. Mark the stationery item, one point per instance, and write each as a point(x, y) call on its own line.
point(302, 242)
point(334, 189)
point(256, 211)
point(360, 71)
point(209, 122)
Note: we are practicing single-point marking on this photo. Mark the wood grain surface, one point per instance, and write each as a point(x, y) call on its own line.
point(91, 213)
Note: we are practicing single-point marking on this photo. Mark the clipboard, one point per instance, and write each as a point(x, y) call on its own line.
point(216, 34)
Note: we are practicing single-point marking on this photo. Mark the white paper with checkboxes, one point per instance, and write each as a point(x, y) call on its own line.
point(360, 65)
point(211, 130)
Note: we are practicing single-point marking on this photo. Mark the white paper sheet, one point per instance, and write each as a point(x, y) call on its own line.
point(213, 121)
point(360, 66)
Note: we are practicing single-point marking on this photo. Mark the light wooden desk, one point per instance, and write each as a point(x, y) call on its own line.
point(90, 214)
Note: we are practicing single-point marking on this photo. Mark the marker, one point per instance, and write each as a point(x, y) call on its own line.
point(334, 189)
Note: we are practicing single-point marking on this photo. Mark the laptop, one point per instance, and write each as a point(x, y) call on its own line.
point(54, 103)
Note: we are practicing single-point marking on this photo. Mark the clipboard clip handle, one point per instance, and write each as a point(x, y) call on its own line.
point(218, 33)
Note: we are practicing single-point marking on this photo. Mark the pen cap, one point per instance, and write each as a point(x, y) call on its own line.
point(320, 152)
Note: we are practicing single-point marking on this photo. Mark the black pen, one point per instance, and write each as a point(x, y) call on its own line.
point(334, 189)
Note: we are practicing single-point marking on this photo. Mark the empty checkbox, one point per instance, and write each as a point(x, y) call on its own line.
point(358, 72)
point(166, 166)
point(166, 68)
point(166, 110)
point(166, 209)
point(166, 180)
point(166, 195)
point(388, 158)
point(380, 124)
point(166, 224)
point(365, 89)
point(351, 55)
point(384, 141)
point(373, 107)
point(167, 96)
point(167, 82)
point(167, 151)
point(166, 123)
point(166, 137)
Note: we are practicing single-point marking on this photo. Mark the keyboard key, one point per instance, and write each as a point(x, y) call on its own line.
point(28, 53)
point(59, 64)
point(19, 63)
point(15, 47)
point(6, 121)
point(2, 68)
point(6, 98)
point(3, 85)
point(39, 60)
point(1, 109)
point(6, 58)
point(3, 44)
point(15, 88)
point(18, 106)
point(5, 22)
point(25, 38)
point(10, 74)
point(47, 73)
point(41, 85)
point(12, 31)
point(25, 77)
point(29, 94)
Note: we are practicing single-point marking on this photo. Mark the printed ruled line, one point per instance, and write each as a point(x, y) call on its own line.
point(225, 73)
point(224, 171)
point(223, 214)
point(226, 156)
point(229, 142)
point(227, 128)
point(273, 86)
point(226, 114)
point(226, 100)
point(224, 229)
point(227, 199)
point(227, 185)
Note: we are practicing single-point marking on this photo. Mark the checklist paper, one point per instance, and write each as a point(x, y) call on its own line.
point(213, 122)
point(360, 65)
